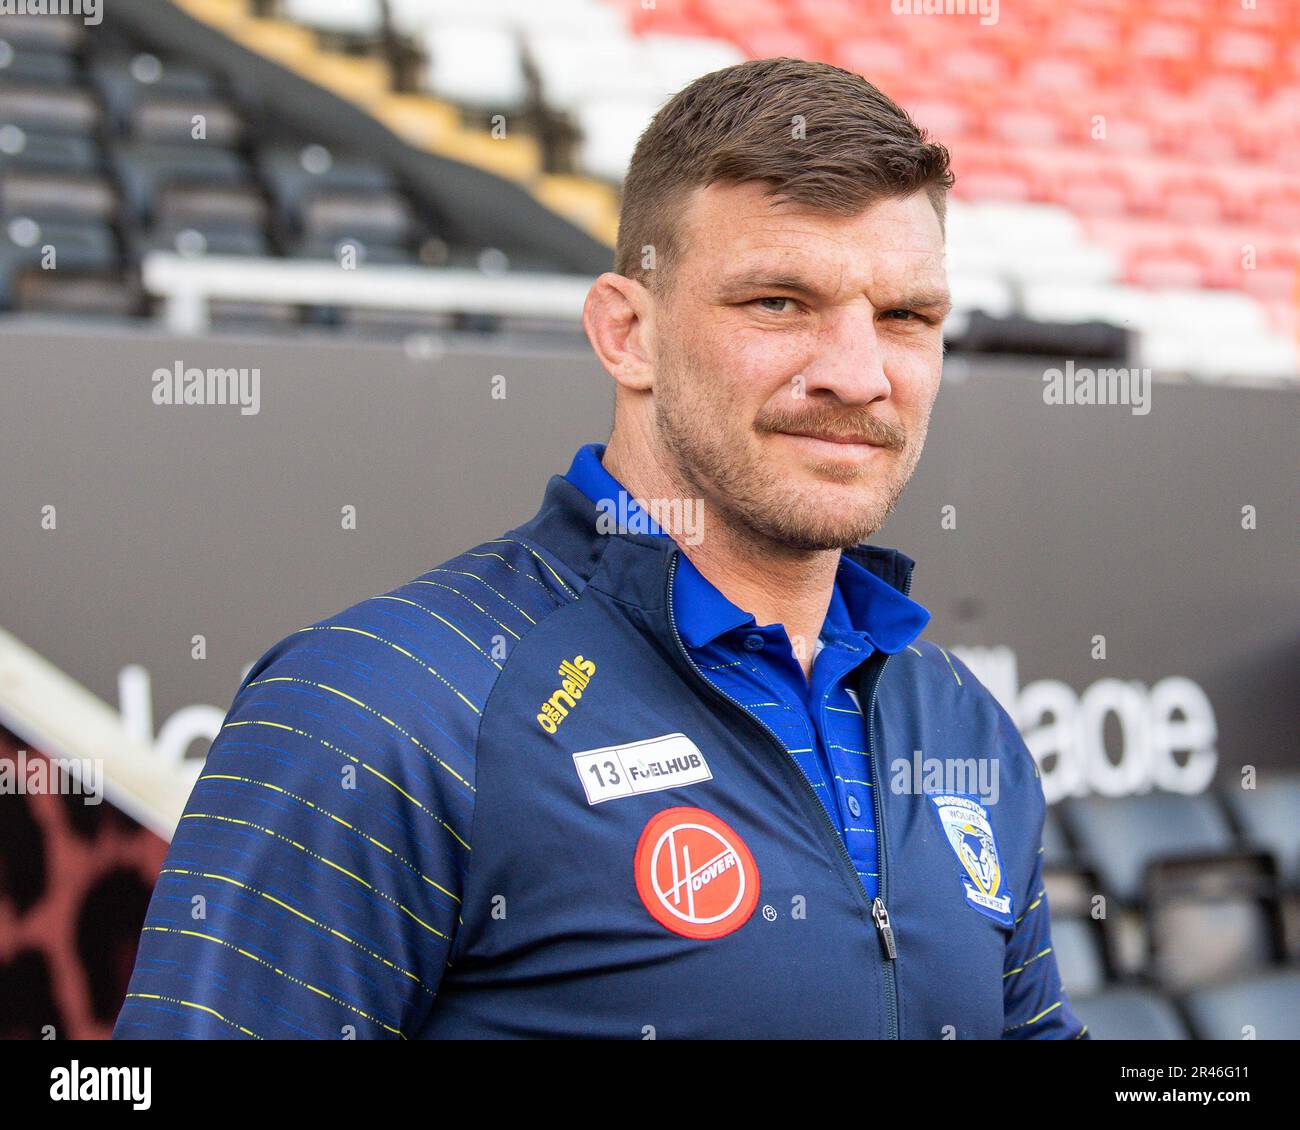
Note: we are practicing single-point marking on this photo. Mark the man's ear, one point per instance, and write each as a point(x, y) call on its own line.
point(618, 317)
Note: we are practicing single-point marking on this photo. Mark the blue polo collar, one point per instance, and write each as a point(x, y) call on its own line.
point(864, 609)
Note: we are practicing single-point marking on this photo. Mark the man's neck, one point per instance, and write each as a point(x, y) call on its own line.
point(771, 581)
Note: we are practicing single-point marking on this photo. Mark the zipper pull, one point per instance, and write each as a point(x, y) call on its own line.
point(881, 918)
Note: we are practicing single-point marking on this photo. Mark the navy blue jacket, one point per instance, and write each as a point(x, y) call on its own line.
point(501, 801)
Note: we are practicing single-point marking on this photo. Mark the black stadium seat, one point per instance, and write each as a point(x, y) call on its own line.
point(23, 64)
point(1119, 835)
point(79, 248)
point(39, 108)
point(144, 170)
point(20, 149)
point(205, 238)
point(1269, 817)
point(295, 174)
point(78, 196)
point(125, 82)
point(50, 32)
point(1212, 918)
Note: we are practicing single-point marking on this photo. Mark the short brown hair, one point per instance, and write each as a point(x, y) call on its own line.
point(738, 124)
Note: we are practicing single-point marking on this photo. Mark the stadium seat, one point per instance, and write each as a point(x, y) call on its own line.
point(1130, 1013)
point(20, 149)
point(1120, 835)
point(145, 171)
point(476, 67)
point(124, 82)
point(354, 18)
point(1079, 955)
point(85, 247)
point(73, 196)
point(27, 65)
point(42, 32)
point(201, 238)
point(296, 173)
point(1212, 917)
point(37, 108)
point(1266, 817)
point(1265, 1007)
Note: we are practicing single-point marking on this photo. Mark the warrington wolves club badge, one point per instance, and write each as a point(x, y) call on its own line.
point(966, 825)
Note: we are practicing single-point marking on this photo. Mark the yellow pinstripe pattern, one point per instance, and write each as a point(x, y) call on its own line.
point(497, 592)
point(337, 819)
point(1038, 898)
point(397, 648)
point(305, 917)
point(276, 969)
point(357, 761)
point(320, 859)
point(191, 1004)
point(1029, 961)
point(444, 620)
point(475, 603)
point(512, 541)
point(1032, 1019)
point(356, 701)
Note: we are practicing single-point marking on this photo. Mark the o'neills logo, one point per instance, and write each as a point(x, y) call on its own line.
point(576, 673)
point(694, 874)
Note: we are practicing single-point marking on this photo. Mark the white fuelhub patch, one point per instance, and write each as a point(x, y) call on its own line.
point(640, 767)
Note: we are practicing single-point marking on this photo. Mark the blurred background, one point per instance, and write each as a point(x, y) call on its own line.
point(385, 215)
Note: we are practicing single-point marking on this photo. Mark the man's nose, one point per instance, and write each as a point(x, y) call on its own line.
point(849, 360)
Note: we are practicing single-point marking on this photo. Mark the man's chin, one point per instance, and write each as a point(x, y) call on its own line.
point(814, 529)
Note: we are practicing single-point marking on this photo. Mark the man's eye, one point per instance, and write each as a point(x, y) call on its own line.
point(906, 315)
point(778, 299)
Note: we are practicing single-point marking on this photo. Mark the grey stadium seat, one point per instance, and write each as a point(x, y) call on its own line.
point(77, 196)
point(41, 109)
point(1269, 818)
point(1130, 1014)
point(1120, 835)
point(1212, 919)
point(145, 170)
point(1269, 1004)
point(1078, 947)
point(23, 64)
point(79, 247)
point(21, 149)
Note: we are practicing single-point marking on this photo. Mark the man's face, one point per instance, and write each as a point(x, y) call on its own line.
point(784, 332)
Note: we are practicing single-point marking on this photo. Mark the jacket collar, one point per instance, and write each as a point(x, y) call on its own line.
point(632, 568)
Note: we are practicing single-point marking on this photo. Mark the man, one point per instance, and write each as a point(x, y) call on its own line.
point(589, 779)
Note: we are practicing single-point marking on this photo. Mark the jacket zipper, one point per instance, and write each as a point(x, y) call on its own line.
point(879, 913)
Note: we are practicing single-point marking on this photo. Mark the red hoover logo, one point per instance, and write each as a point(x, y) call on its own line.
point(694, 874)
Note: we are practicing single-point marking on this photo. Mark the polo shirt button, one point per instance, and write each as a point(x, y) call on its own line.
point(754, 642)
point(854, 807)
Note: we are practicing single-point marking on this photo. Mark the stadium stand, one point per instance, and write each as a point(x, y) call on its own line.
point(114, 149)
point(1088, 193)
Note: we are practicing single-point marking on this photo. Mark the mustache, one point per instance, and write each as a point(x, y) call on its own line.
point(852, 426)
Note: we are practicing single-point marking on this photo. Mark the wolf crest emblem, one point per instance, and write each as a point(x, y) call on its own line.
point(970, 834)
